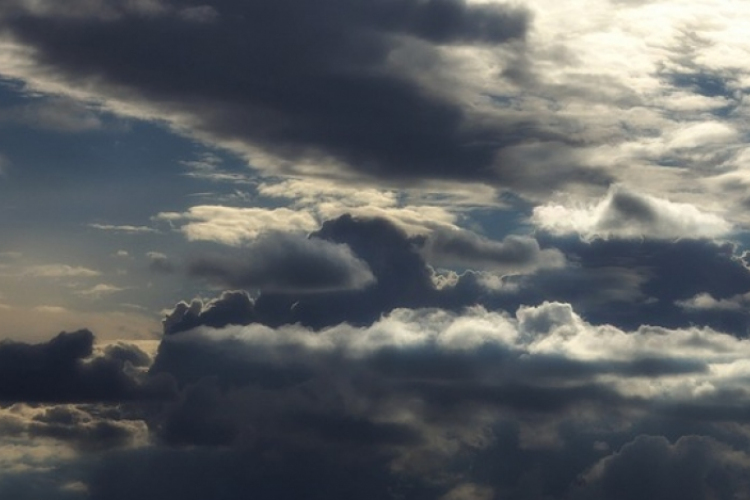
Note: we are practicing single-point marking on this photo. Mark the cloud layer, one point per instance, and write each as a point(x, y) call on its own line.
point(421, 402)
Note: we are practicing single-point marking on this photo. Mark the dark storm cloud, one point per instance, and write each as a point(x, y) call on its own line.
point(304, 80)
point(286, 262)
point(59, 371)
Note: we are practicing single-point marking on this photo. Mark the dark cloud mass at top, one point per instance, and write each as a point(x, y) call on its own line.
point(300, 80)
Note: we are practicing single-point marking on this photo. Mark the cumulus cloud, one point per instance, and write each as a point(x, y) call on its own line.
point(424, 387)
point(622, 282)
point(231, 308)
point(626, 214)
point(59, 371)
point(421, 402)
point(551, 367)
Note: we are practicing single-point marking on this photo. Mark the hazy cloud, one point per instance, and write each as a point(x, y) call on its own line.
point(124, 229)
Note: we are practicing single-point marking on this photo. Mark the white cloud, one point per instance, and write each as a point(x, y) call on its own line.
point(327, 200)
point(625, 214)
point(706, 302)
point(234, 226)
point(124, 228)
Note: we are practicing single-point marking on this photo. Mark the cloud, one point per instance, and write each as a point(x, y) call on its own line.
point(235, 226)
point(514, 254)
point(100, 290)
point(124, 229)
point(84, 428)
point(352, 101)
point(421, 392)
point(283, 262)
point(628, 282)
point(405, 209)
point(399, 277)
point(231, 308)
point(650, 467)
point(729, 313)
point(55, 271)
point(623, 282)
point(61, 115)
point(83, 9)
point(422, 402)
point(59, 371)
point(626, 214)
point(704, 301)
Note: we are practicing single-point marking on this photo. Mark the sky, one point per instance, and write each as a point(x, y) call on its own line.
point(374, 249)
